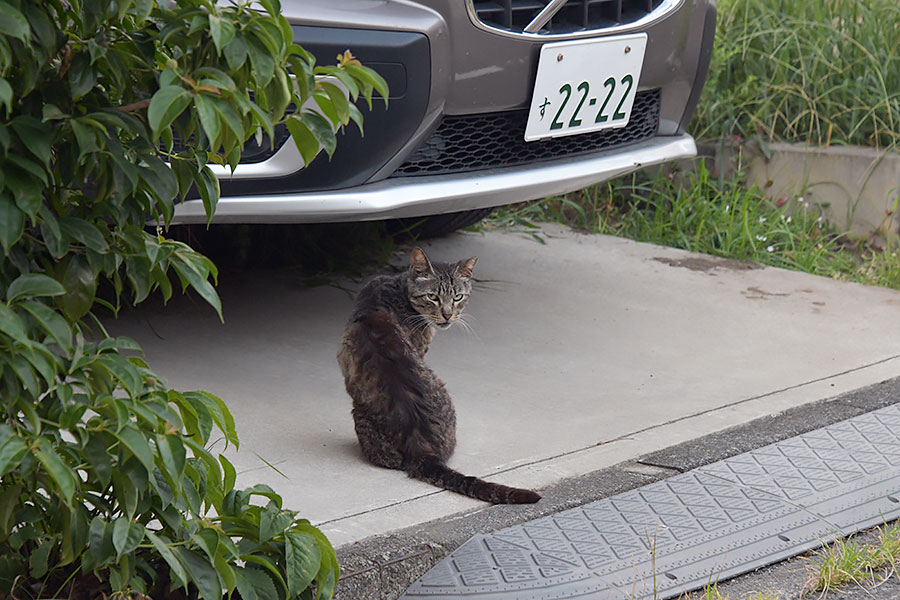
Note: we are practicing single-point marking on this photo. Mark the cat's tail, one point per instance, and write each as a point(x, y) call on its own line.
point(431, 470)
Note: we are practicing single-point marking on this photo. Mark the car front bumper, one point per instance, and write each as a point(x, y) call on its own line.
point(419, 196)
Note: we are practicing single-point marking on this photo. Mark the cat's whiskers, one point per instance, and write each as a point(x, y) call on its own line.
point(417, 322)
point(467, 327)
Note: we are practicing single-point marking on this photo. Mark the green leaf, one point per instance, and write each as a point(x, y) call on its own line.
point(37, 563)
point(58, 470)
point(9, 501)
point(43, 360)
point(302, 557)
point(370, 78)
point(26, 188)
point(26, 375)
point(166, 104)
point(273, 521)
point(226, 572)
point(161, 183)
point(357, 118)
point(29, 166)
point(120, 368)
point(261, 60)
point(306, 142)
point(209, 119)
point(126, 536)
point(142, 9)
point(222, 31)
point(51, 322)
point(6, 95)
point(162, 546)
point(202, 573)
point(222, 417)
point(173, 454)
point(230, 474)
point(81, 286)
point(12, 449)
point(321, 130)
point(208, 541)
point(267, 564)
point(82, 75)
point(11, 324)
point(42, 28)
point(329, 570)
point(338, 99)
point(254, 584)
point(100, 550)
point(229, 116)
point(138, 445)
point(12, 222)
point(97, 454)
point(13, 23)
point(125, 491)
point(264, 120)
point(208, 186)
point(84, 232)
point(236, 53)
point(31, 285)
point(85, 136)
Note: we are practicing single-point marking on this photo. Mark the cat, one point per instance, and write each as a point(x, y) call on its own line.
point(403, 415)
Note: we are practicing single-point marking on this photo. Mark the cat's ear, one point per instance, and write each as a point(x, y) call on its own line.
point(465, 267)
point(419, 264)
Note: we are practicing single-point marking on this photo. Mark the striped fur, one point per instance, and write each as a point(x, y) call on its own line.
point(403, 415)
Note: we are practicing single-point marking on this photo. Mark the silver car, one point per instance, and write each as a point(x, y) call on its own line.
point(491, 103)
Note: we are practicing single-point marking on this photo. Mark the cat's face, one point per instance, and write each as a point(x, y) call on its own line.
point(439, 291)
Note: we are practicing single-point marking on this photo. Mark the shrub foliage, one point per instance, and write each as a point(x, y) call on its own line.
point(112, 111)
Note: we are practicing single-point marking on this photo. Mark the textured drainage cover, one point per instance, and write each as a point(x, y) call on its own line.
point(711, 523)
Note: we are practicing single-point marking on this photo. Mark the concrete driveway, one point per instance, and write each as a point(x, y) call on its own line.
point(587, 351)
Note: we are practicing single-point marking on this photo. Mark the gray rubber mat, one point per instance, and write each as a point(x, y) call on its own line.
point(678, 534)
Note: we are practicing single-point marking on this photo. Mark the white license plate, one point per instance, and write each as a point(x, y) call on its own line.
point(585, 85)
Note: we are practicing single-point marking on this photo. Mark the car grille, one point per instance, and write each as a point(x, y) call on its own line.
point(471, 142)
point(574, 16)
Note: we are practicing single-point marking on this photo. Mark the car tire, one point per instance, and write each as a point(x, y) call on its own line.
point(436, 225)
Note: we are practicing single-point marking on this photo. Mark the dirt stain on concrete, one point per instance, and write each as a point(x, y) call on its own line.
point(756, 293)
point(706, 264)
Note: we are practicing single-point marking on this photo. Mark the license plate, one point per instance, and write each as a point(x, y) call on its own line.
point(585, 85)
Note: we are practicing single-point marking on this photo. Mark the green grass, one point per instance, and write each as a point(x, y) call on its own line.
point(711, 592)
point(698, 212)
point(850, 561)
point(819, 72)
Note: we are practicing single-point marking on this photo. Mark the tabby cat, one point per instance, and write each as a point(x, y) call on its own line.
point(404, 417)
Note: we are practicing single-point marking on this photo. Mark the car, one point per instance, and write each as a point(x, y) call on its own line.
point(491, 102)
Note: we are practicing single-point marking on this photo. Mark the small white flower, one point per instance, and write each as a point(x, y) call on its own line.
point(789, 219)
point(761, 238)
point(800, 199)
point(727, 207)
point(762, 219)
point(820, 219)
point(771, 248)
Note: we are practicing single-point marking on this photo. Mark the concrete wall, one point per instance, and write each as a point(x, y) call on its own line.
point(858, 187)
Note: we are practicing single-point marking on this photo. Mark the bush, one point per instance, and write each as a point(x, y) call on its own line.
point(111, 112)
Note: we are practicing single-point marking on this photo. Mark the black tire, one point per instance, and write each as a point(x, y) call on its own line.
point(436, 225)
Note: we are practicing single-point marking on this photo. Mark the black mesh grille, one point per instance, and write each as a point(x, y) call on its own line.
point(575, 15)
point(472, 142)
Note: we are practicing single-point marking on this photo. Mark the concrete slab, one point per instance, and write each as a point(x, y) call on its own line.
point(587, 351)
point(385, 566)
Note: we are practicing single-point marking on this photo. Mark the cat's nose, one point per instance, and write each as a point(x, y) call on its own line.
point(446, 315)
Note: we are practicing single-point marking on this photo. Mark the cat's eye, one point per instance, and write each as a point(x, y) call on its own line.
point(457, 297)
point(433, 297)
